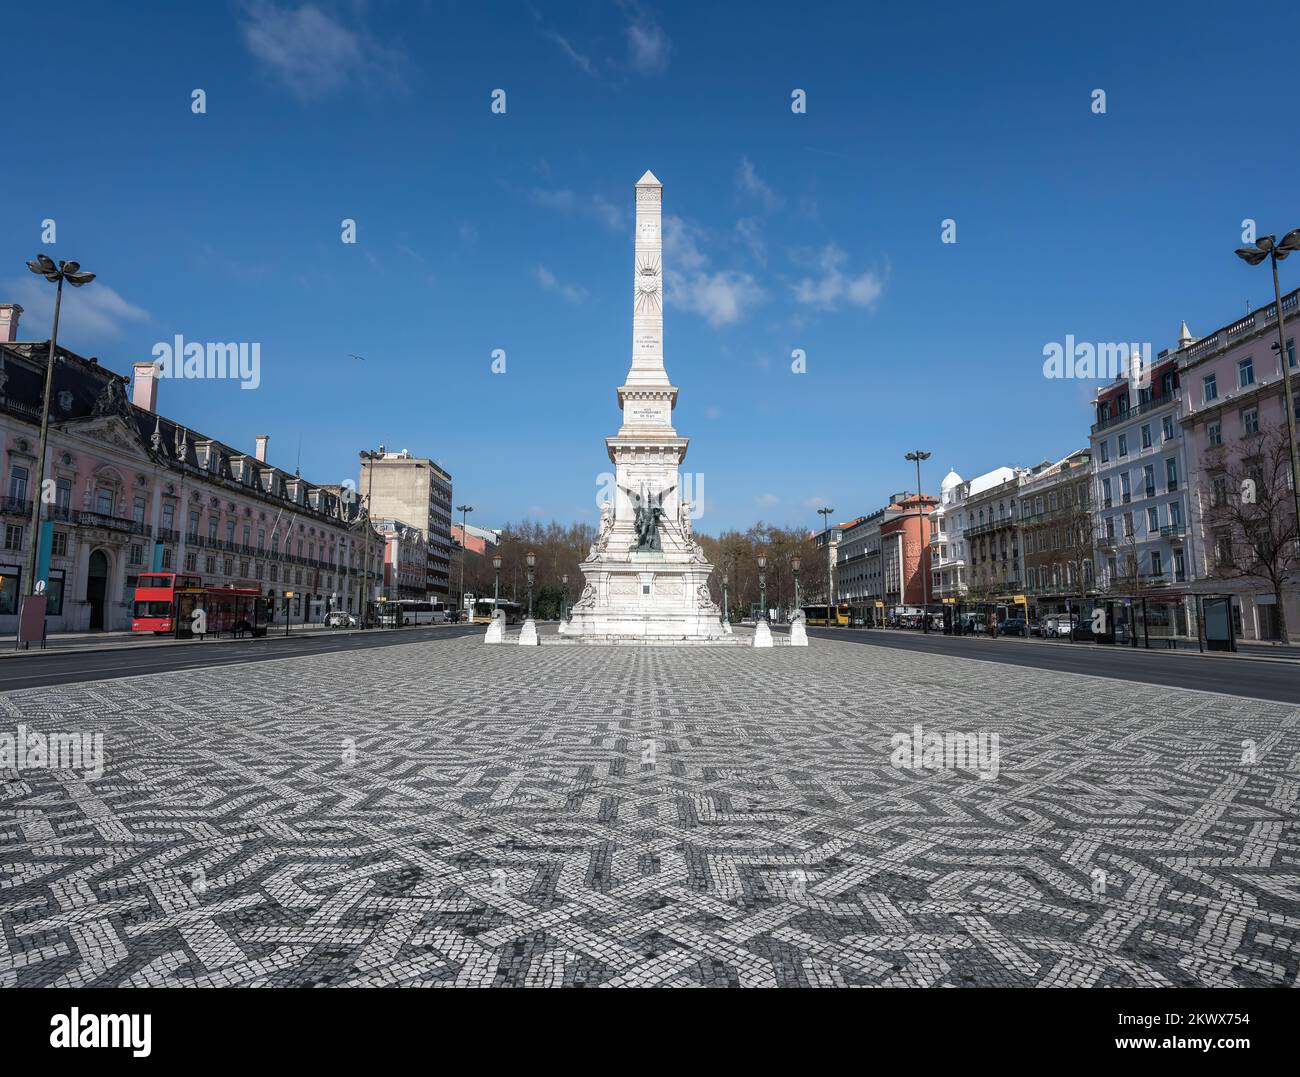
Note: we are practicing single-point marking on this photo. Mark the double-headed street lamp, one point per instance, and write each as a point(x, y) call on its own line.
point(43, 266)
point(762, 585)
point(825, 514)
point(1267, 247)
point(532, 560)
point(370, 456)
point(464, 511)
point(918, 456)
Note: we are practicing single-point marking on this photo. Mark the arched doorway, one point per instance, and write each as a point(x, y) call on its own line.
point(97, 588)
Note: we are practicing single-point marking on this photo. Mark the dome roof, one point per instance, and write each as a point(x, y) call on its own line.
point(949, 481)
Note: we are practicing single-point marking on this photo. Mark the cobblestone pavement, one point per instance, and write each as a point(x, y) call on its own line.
point(447, 813)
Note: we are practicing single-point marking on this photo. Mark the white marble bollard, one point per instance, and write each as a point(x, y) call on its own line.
point(496, 632)
point(762, 635)
point(798, 633)
point(528, 634)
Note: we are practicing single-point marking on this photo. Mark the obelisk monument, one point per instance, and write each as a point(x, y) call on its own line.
point(645, 577)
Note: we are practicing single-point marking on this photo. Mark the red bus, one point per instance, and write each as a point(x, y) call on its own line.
point(165, 603)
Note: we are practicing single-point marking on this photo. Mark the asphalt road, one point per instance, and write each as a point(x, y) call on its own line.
point(54, 667)
point(1278, 681)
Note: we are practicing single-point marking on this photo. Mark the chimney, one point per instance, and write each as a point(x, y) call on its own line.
point(261, 440)
point(144, 387)
point(9, 313)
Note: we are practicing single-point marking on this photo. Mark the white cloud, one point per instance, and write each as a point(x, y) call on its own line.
point(569, 51)
point(647, 45)
point(551, 283)
point(766, 500)
point(720, 296)
point(89, 313)
point(749, 183)
point(832, 285)
point(596, 206)
point(747, 228)
point(314, 54)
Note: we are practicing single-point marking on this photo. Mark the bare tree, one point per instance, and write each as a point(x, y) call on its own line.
point(1251, 516)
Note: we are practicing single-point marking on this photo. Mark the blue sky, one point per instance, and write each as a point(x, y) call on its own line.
point(477, 231)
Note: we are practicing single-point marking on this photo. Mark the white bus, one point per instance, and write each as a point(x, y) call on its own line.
point(416, 612)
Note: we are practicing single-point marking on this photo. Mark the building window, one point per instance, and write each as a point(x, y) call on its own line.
point(1167, 427)
point(1211, 388)
point(13, 536)
point(1175, 514)
point(210, 565)
point(62, 498)
point(191, 562)
point(1105, 493)
point(228, 566)
point(1215, 433)
point(137, 554)
point(1250, 421)
point(1180, 567)
point(59, 544)
point(18, 483)
point(230, 535)
point(1146, 435)
point(104, 501)
point(1245, 372)
point(1110, 527)
point(275, 572)
point(1104, 447)
point(248, 537)
point(167, 557)
point(1128, 525)
point(1290, 352)
point(212, 529)
point(1123, 445)
point(1218, 490)
point(1125, 492)
point(1157, 564)
point(1171, 474)
point(1149, 479)
point(1153, 520)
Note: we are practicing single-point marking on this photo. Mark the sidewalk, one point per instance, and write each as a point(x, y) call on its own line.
point(98, 642)
point(1250, 650)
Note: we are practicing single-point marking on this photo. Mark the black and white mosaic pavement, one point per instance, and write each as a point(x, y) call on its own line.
point(447, 813)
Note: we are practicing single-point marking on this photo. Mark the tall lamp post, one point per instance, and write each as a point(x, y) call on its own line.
point(370, 456)
point(726, 609)
point(1267, 247)
point(918, 456)
point(532, 560)
point(762, 585)
point(44, 266)
point(564, 593)
point(464, 511)
point(795, 562)
point(825, 514)
point(496, 586)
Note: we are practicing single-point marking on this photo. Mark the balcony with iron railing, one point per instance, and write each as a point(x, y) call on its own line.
point(994, 525)
point(85, 518)
point(1143, 408)
point(15, 506)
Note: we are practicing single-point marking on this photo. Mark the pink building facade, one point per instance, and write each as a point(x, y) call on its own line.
point(1233, 402)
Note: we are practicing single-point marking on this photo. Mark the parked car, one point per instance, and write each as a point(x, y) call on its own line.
point(339, 619)
point(1056, 624)
point(1014, 626)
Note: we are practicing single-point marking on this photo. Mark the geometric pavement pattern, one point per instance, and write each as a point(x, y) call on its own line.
point(448, 813)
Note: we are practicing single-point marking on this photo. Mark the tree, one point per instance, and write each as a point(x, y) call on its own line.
point(1251, 519)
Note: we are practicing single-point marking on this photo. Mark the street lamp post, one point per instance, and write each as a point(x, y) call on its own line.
point(726, 609)
point(762, 585)
point(825, 514)
point(564, 593)
point(496, 586)
point(918, 456)
point(1267, 247)
point(371, 456)
point(532, 560)
point(44, 266)
point(795, 562)
point(464, 511)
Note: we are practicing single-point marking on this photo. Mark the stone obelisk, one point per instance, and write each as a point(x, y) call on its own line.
point(645, 577)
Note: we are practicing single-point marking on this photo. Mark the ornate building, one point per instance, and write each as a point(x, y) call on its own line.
point(131, 491)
